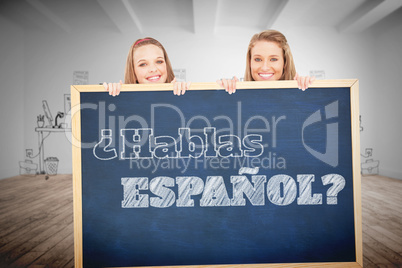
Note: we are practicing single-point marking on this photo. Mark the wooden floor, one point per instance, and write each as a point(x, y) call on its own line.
point(36, 222)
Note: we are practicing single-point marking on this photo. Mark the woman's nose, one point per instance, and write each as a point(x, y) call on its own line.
point(152, 68)
point(266, 65)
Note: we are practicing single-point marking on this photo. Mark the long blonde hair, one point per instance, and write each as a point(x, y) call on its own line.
point(129, 75)
point(289, 69)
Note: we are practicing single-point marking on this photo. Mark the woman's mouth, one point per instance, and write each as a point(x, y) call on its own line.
point(265, 76)
point(154, 78)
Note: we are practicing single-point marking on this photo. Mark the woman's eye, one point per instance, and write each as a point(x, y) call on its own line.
point(274, 59)
point(142, 64)
point(257, 59)
point(159, 61)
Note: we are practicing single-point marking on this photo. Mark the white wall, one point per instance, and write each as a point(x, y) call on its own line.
point(50, 60)
point(12, 98)
point(385, 122)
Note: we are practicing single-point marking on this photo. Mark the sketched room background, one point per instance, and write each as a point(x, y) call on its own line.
point(48, 45)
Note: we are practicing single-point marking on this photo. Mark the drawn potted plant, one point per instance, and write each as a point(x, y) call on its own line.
point(40, 120)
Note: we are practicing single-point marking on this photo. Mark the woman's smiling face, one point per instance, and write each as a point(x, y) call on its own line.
point(150, 65)
point(266, 61)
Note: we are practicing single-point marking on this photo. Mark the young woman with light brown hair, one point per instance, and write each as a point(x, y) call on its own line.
point(147, 62)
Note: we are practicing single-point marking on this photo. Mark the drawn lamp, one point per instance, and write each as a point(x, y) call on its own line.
point(59, 115)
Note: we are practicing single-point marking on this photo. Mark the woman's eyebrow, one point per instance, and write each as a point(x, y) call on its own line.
point(258, 55)
point(161, 57)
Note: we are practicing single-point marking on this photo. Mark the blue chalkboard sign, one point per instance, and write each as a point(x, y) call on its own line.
point(268, 175)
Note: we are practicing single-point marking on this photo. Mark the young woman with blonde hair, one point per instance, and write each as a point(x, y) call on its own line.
point(269, 58)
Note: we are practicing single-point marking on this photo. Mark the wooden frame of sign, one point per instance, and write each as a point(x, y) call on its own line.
point(78, 169)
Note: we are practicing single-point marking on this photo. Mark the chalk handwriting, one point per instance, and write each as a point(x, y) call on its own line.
point(140, 143)
point(281, 190)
